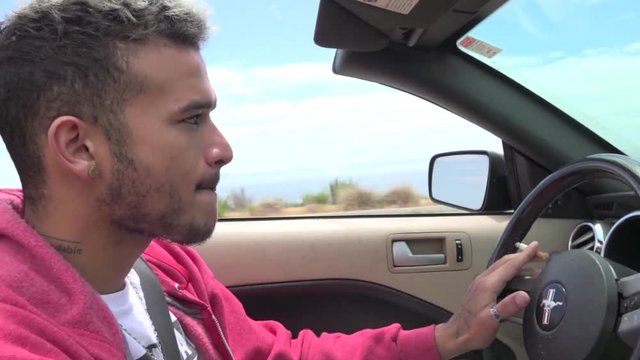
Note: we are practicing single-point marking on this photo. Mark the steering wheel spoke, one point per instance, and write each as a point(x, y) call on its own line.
point(629, 322)
point(518, 283)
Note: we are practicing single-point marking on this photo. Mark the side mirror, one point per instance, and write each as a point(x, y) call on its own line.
point(471, 180)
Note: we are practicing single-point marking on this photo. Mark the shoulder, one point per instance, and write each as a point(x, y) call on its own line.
point(177, 263)
point(166, 254)
point(169, 252)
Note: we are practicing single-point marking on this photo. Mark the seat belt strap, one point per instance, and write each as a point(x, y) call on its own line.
point(158, 309)
point(126, 346)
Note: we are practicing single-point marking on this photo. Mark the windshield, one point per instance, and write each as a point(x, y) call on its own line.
point(583, 56)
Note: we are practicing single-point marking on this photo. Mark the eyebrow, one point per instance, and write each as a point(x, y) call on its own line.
point(197, 105)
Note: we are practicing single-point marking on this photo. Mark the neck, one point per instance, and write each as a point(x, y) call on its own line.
point(101, 254)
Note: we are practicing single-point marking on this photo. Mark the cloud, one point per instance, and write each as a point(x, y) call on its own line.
point(300, 120)
point(630, 16)
point(528, 23)
point(262, 82)
point(599, 87)
point(339, 123)
point(591, 2)
point(633, 48)
point(557, 11)
point(275, 11)
point(595, 74)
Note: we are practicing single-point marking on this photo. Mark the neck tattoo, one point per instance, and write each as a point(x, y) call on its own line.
point(68, 247)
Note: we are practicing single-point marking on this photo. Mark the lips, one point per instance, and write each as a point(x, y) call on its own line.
point(209, 182)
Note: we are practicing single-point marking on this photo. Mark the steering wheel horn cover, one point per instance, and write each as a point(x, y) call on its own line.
point(574, 306)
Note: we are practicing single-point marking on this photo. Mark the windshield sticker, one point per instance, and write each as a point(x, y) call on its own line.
point(479, 47)
point(399, 6)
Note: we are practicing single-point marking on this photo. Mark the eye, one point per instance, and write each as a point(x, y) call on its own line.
point(194, 120)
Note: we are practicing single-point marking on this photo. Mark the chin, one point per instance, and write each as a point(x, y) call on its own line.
point(195, 234)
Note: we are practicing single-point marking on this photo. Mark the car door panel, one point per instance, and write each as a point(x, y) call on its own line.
point(272, 251)
point(249, 252)
point(338, 273)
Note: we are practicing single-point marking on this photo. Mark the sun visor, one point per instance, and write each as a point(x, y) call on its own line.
point(338, 28)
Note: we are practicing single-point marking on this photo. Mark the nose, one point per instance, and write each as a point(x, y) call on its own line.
point(219, 152)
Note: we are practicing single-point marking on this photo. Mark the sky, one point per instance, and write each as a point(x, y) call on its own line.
point(295, 126)
point(582, 55)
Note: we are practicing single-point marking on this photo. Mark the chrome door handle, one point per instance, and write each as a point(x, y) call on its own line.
point(402, 256)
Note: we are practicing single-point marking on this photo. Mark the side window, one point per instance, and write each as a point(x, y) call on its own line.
point(337, 153)
point(307, 141)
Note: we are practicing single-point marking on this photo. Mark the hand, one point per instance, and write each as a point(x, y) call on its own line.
point(474, 327)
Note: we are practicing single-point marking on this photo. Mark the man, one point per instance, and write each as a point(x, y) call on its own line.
point(106, 109)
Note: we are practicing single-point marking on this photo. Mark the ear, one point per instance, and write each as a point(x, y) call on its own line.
point(71, 145)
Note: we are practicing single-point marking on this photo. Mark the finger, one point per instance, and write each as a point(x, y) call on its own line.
point(540, 255)
point(512, 304)
point(530, 271)
point(530, 252)
point(497, 280)
point(507, 267)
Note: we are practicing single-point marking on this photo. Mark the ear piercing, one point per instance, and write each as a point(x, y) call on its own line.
point(93, 171)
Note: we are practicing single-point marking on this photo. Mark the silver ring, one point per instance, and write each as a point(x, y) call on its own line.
point(494, 312)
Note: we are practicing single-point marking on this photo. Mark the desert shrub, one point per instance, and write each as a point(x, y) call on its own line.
point(238, 200)
point(337, 186)
point(312, 208)
point(269, 207)
point(403, 195)
point(356, 198)
point(223, 207)
point(321, 198)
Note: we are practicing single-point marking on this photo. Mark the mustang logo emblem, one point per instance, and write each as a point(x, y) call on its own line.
point(548, 304)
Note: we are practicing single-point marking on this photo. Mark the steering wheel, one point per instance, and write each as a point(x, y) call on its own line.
point(580, 299)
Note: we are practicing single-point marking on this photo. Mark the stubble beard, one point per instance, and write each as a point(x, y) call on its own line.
point(141, 204)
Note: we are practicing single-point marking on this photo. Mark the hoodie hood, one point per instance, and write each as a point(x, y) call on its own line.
point(43, 297)
point(14, 199)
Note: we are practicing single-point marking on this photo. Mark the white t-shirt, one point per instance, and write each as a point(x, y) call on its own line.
point(130, 309)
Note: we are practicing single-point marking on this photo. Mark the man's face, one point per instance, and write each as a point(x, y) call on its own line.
point(163, 184)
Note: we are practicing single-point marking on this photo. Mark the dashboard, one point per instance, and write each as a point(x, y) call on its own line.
point(614, 231)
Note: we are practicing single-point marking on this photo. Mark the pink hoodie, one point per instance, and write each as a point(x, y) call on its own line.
point(48, 311)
